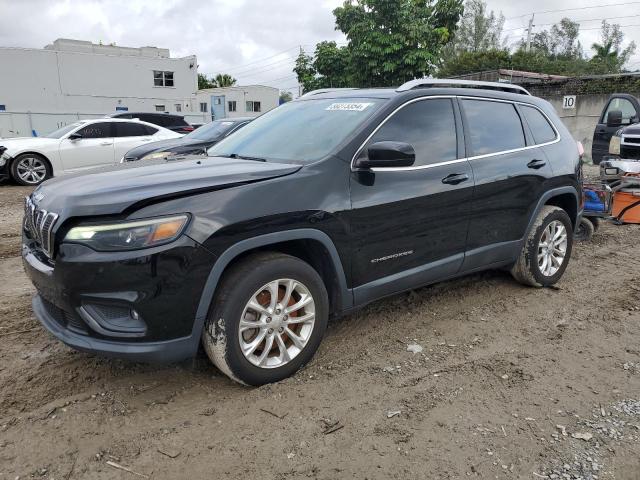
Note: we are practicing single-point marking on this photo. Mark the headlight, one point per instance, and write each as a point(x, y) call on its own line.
point(131, 235)
point(156, 155)
point(614, 145)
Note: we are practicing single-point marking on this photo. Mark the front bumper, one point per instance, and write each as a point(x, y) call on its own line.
point(139, 305)
point(613, 168)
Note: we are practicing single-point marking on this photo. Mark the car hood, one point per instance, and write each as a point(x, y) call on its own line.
point(21, 143)
point(117, 190)
point(172, 144)
point(633, 129)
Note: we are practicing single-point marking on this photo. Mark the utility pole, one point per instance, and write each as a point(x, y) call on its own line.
point(529, 30)
point(299, 84)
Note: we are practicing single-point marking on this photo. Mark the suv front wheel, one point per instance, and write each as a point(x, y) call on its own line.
point(268, 318)
point(547, 249)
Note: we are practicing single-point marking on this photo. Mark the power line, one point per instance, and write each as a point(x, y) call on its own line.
point(573, 9)
point(576, 21)
point(263, 59)
point(249, 69)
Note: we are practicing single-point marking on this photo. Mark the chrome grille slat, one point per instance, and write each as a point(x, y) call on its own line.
point(39, 223)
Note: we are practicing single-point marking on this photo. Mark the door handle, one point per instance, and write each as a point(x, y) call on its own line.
point(105, 144)
point(455, 178)
point(536, 164)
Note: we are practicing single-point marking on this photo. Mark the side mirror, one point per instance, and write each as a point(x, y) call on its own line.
point(614, 118)
point(74, 136)
point(387, 155)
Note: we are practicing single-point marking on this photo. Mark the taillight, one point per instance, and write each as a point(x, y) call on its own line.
point(580, 148)
point(188, 128)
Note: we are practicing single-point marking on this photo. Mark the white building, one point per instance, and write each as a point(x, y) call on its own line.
point(43, 89)
point(249, 101)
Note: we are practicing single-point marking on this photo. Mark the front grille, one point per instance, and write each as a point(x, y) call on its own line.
point(631, 153)
point(39, 224)
point(65, 319)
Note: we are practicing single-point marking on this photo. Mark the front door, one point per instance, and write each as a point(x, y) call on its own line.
point(93, 149)
point(510, 175)
point(603, 132)
point(409, 224)
point(218, 107)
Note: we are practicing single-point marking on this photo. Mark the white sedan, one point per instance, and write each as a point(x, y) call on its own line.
point(75, 148)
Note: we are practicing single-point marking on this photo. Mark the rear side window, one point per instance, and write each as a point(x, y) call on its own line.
point(541, 129)
point(493, 126)
point(427, 125)
point(96, 130)
point(130, 129)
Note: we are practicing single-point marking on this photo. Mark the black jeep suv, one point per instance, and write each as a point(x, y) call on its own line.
point(314, 209)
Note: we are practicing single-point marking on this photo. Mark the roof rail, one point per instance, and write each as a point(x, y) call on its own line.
point(324, 90)
point(452, 82)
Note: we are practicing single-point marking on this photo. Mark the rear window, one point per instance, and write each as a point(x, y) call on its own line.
point(131, 129)
point(541, 129)
point(493, 126)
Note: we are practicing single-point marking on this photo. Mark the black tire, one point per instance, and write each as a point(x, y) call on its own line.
point(596, 223)
point(37, 159)
point(221, 336)
point(527, 270)
point(585, 230)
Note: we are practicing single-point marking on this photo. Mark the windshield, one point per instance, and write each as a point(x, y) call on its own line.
point(301, 131)
point(62, 131)
point(211, 131)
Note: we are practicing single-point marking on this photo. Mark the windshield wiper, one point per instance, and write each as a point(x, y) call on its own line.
point(244, 157)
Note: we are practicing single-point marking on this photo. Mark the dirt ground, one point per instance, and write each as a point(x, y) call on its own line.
point(512, 382)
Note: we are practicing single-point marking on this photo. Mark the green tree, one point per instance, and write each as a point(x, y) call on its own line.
point(224, 80)
point(204, 82)
point(388, 43)
point(478, 31)
point(609, 55)
point(560, 40)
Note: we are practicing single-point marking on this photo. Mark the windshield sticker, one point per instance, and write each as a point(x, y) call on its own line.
point(348, 107)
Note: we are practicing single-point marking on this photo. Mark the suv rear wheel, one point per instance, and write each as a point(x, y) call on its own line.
point(267, 320)
point(547, 249)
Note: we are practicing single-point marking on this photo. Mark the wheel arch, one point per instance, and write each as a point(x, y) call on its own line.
point(30, 152)
point(563, 197)
point(313, 246)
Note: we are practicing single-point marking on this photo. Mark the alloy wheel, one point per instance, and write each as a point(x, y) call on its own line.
point(31, 170)
point(552, 248)
point(276, 323)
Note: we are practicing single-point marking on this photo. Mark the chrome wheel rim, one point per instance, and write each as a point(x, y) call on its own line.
point(276, 323)
point(552, 248)
point(31, 170)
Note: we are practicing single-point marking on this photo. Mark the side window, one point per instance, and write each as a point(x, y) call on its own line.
point(96, 130)
point(493, 126)
point(130, 129)
point(625, 106)
point(150, 130)
point(541, 130)
point(427, 125)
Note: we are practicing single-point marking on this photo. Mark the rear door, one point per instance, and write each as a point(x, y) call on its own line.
point(94, 149)
point(129, 135)
point(510, 174)
point(409, 224)
point(603, 132)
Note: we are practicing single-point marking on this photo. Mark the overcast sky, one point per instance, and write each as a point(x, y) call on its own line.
point(256, 41)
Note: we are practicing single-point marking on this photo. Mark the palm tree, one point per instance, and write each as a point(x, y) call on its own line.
point(224, 80)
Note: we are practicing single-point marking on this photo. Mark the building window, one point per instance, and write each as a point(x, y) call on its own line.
point(217, 101)
point(203, 107)
point(160, 108)
point(232, 106)
point(3, 108)
point(162, 79)
point(178, 107)
point(253, 106)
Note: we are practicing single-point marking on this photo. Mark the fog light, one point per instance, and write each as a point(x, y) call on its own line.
point(610, 171)
point(134, 315)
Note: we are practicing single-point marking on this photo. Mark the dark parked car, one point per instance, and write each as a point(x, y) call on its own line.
point(622, 111)
point(195, 143)
point(316, 208)
point(177, 123)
